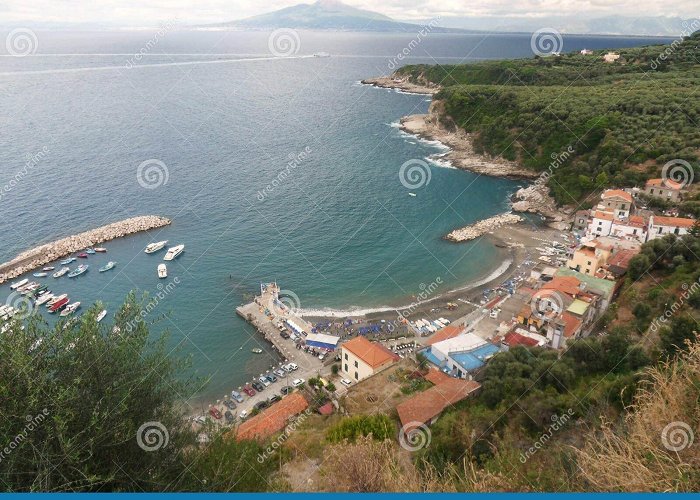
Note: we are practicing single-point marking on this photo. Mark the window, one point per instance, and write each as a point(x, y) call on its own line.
point(600, 223)
point(651, 191)
point(346, 356)
point(589, 262)
point(634, 231)
point(356, 365)
point(357, 377)
point(346, 368)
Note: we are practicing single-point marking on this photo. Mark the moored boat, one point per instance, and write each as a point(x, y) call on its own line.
point(44, 298)
point(40, 275)
point(48, 268)
point(60, 273)
point(78, 271)
point(256, 351)
point(90, 251)
point(83, 255)
point(174, 252)
point(162, 271)
point(70, 309)
point(59, 305)
point(15, 286)
point(100, 250)
point(56, 298)
point(67, 261)
point(102, 314)
point(108, 266)
point(154, 247)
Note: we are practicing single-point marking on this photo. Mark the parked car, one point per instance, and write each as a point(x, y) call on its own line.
point(287, 368)
point(261, 405)
point(214, 412)
point(258, 386)
point(200, 419)
point(293, 366)
point(322, 356)
point(263, 380)
point(243, 415)
point(271, 377)
point(346, 381)
point(280, 373)
point(229, 404)
point(229, 417)
point(249, 390)
point(237, 396)
point(286, 390)
point(297, 382)
point(273, 398)
point(284, 335)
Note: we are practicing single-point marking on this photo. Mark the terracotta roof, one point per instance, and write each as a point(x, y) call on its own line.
point(436, 376)
point(565, 284)
point(514, 338)
point(371, 353)
point(602, 215)
point(637, 220)
point(272, 419)
point(423, 407)
point(622, 258)
point(666, 183)
point(450, 331)
point(586, 250)
point(619, 193)
point(326, 409)
point(571, 324)
point(673, 221)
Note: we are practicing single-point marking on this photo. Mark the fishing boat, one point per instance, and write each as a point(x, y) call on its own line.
point(162, 271)
point(56, 298)
point(90, 251)
point(412, 194)
point(39, 290)
point(70, 309)
point(102, 314)
point(15, 286)
point(60, 273)
point(83, 255)
point(174, 252)
point(59, 305)
point(100, 250)
point(154, 247)
point(108, 266)
point(256, 351)
point(31, 285)
point(48, 268)
point(78, 271)
point(29, 288)
point(44, 298)
point(40, 275)
point(67, 261)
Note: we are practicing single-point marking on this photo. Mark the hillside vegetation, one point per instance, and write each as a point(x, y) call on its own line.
point(624, 120)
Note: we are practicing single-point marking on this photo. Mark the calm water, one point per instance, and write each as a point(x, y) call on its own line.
point(338, 228)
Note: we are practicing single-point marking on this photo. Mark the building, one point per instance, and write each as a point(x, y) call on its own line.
point(665, 189)
point(273, 419)
point(586, 52)
point(581, 220)
point(322, 341)
point(600, 223)
point(661, 226)
point(617, 202)
point(619, 262)
point(361, 358)
point(590, 257)
point(611, 57)
point(461, 355)
point(450, 331)
point(635, 227)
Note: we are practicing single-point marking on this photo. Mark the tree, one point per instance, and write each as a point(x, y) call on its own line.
point(673, 339)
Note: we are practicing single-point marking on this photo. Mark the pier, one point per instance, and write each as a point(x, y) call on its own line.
point(49, 252)
point(473, 231)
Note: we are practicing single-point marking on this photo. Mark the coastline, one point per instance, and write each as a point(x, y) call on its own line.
point(390, 82)
point(49, 252)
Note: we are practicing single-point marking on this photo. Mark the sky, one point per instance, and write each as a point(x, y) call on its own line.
point(155, 12)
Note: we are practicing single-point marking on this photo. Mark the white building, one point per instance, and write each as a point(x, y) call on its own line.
point(361, 358)
point(661, 226)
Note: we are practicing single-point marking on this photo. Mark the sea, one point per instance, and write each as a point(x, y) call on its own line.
point(273, 165)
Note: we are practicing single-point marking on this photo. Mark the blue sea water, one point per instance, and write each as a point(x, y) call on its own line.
point(224, 121)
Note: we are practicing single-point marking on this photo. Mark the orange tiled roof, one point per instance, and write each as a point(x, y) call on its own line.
point(514, 338)
point(602, 215)
point(272, 419)
point(673, 221)
point(622, 258)
point(666, 183)
point(619, 193)
point(450, 331)
point(571, 324)
point(423, 407)
point(565, 284)
point(371, 353)
point(436, 376)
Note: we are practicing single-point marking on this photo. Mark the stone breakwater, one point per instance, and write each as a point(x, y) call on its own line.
point(49, 252)
point(473, 231)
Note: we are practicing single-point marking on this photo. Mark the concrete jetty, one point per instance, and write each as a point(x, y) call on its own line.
point(49, 252)
point(482, 227)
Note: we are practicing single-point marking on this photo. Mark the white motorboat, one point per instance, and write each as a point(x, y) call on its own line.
point(101, 316)
point(174, 252)
point(154, 247)
point(44, 298)
point(70, 309)
point(60, 273)
point(15, 286)
point(162, 271)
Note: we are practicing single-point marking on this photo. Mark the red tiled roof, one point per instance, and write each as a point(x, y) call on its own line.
point(673, 221)
point(272, 419)
point(450, 331)
point(565, 284)
point(612, 193)
point(571, 324)
point(371, 353)
point(423, 407)
point(326, 409)
point(602, 215)
point(666, 183)
point(622, 258)
point(514, 338)
point(436, 376)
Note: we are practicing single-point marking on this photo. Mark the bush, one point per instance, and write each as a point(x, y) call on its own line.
point(379, 426)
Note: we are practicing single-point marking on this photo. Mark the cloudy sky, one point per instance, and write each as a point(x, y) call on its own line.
point(153, 12)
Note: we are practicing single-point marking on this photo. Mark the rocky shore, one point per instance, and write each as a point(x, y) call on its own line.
point(482, 227)
point(395, 82)
point(49, 252)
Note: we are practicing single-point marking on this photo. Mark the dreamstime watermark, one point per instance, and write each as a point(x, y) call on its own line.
point(21, 42)
point(558, 159)
point(295, 160)
point(678, 171)
point(151, 305)
point(414, 436)
point(284, 303)
point(31, 161)
point(284, 42)
point(546, 42)
point(426, 291)
point(677, 436)
point(558, 421)
point(415, 174)
point(545, 303)
point(669, 311)
point(33, 422)
point(151, 43)
point(152, 436)
point(282, 438)
point(415, 41)
point(670, 49)
point(23, 306)
point(152, 174)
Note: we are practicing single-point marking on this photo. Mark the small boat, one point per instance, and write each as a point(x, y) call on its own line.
point(412, 194)
point(44, 298)
point(108, 266)
point(83, 255)
point(162, 271)
point(68, 261)
point(48, 268)
point(26, 290)
point(90, 251)
point(15, 286)
point(60, 273)
point(40, 290)
point(256, 351)
point(56, 298)
point(102, 314)
point(78, 271)
point(59, 305)
point(100, 250)
point(40, 275)
point(174, 252)
point(154, 247)
point(70, 309)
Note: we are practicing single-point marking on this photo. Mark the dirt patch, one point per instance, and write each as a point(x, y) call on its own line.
point(379, 394)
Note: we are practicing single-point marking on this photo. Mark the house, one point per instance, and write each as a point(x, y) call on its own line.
point(601, 288)
point(581, 220)
point(665, 189)
point(461, 355)
point(361, 358)
point(633, 228)
point(600, 223)
point(425, 407)
point(586, 52)
point(273, 419)
point(661, 226)
point(518, 336)
point(450, 331)
point(611, 57)
point(590, 257)
point(617, 202)
point(619, 262)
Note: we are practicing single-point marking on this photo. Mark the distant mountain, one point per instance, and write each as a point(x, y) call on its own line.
point(327, 15)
